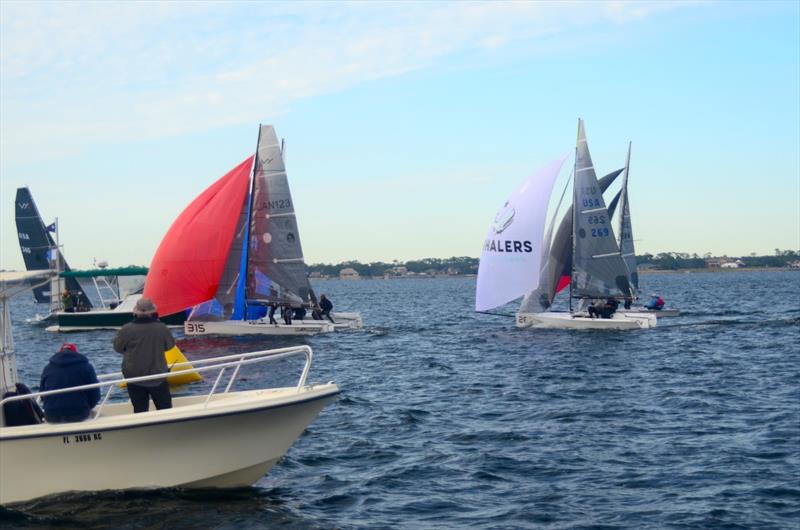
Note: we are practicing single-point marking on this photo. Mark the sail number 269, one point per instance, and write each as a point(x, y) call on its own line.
point(600, 232)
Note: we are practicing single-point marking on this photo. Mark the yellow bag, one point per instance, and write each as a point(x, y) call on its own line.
point(175, 356)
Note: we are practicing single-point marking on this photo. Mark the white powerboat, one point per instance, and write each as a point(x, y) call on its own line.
point(220, 440)
point(223, 438)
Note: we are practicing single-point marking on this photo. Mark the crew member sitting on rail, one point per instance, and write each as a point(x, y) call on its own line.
point(609, 308)
point(655, 302)
point(68, 368)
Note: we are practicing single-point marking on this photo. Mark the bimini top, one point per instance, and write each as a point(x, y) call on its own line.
point(15, 282)
point(93, 273)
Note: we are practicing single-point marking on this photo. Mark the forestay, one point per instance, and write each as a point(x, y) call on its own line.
point(598, 268)
point(512, 252)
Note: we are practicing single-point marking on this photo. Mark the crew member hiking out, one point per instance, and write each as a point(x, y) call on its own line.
point(326, 306)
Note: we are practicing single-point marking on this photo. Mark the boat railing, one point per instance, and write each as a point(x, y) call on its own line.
point(236, 361)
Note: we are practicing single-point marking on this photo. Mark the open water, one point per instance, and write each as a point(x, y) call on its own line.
point(451, 419)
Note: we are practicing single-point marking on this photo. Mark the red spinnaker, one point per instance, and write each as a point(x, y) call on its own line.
point(189, 262)
point(563, 282)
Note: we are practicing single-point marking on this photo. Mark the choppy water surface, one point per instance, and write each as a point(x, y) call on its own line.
point(450, 419)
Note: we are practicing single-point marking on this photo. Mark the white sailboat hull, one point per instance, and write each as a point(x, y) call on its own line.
point(256, 327)
point(341, 320)
point(556, 320)
point(658, 312)
point(262, 326)
point(232, 442)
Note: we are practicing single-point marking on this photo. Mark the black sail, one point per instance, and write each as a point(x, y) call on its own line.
point(37, 247)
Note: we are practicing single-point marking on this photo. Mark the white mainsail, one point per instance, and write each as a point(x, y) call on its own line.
point(512, 252)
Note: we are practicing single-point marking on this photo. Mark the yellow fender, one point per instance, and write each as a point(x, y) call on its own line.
point(175, 356)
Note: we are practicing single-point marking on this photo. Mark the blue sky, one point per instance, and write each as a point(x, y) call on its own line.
point(407, 124)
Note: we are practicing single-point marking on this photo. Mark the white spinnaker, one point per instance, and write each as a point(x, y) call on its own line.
point(512, 251)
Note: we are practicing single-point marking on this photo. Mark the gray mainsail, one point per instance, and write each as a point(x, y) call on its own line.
point(559, 258)
point(597, 266)
point(276, 271)
point(626, 229)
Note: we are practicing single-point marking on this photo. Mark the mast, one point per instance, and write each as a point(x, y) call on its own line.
point(55, 294)
point(624, 200)
point(574, 214)
point(245, 267)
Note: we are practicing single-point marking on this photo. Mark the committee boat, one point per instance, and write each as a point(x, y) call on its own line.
point(178, 447)
point(76, 300)
point(521, 258)
point(235, 251)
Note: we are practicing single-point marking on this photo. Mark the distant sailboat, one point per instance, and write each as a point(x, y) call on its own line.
point(235, 250)
point(626, 245)
point(596, 267)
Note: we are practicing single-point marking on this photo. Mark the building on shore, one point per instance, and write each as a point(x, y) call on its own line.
point(349, 273)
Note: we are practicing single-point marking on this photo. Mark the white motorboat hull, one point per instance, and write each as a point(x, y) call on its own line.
point(658, 312)
point(256, 327)
point(232, 442)
point(556, 320)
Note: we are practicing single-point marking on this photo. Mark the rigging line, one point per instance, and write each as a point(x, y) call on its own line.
point(496, 314)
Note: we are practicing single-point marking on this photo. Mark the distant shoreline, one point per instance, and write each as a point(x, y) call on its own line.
point(706, 270)
point(641, 273)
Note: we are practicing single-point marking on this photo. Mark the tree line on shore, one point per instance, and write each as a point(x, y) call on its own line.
point(459, 265)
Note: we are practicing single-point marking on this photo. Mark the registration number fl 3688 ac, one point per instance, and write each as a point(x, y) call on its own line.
point(81, 438)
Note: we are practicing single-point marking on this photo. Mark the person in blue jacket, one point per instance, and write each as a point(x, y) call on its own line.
point(655, 302)
point(68, 368)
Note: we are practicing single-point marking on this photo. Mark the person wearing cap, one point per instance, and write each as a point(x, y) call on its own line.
point(142, 344)
point(68, 368)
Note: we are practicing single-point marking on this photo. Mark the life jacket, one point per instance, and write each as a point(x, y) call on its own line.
point(23, 412)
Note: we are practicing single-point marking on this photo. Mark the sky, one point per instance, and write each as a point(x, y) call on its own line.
point(407, 124)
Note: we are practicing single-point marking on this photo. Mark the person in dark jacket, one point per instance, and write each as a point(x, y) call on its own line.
point(68, 368)
point(609, 308)
point(142, 344)
point(286, 313)
point(326, 306)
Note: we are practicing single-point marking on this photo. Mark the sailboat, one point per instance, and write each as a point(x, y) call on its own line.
point(626, 245)
point(235, 251)
point(111, 303)
point(596, 268)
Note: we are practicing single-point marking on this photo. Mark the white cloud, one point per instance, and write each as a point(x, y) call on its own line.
point(97, 72)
